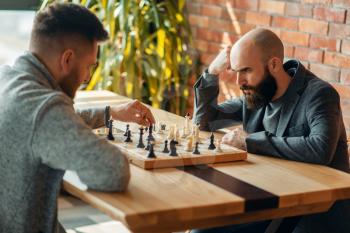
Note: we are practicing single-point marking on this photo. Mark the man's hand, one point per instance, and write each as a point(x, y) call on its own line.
point(221, 62)
point(134, 111)
point(236, 138)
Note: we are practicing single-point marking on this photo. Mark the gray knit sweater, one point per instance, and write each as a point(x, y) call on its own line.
point(41, 137)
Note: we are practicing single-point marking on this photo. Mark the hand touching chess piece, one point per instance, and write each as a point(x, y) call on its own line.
point(236, 138)
point(133, 111)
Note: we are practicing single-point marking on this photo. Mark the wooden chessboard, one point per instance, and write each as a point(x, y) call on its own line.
point(138, 156)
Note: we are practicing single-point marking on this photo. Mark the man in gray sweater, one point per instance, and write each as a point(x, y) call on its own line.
point(41, 133)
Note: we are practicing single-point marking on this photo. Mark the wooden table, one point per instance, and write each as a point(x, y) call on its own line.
point(166, 200)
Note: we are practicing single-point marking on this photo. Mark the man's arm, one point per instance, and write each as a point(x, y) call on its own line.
point(208, 113)
point(94, 117)
point(324, 120)
point(61, 140)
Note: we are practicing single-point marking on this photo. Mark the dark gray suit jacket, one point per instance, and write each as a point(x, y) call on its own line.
point(310, 129)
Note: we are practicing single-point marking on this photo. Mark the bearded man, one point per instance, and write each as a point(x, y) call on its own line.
point(285, 112)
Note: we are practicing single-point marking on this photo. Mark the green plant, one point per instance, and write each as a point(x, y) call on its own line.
point(147, 55)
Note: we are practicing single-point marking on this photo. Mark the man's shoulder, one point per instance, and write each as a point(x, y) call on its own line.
point(318, 87)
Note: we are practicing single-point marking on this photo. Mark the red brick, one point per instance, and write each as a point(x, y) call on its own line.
point(233, 14)
point(193, 8)
point(339, 30)
point(196, 20)
point(288, 51)
point(325, 72)
point(330, 14)
point(211, 10)
point(342, 3)
point(228, 38)
point(300, 10)
point(201, 45)
point(219, 24)
point(344, 91)
point(313, 26)
point(322, 42)
point(241, 28)
point(276, 7)
point(323, 2)
point(207, 58)
point(246, 4)
point(337, 60)
point(297, 38)
point(215, 47)
point(209, 35)
point(345, 47)
point(307, 54)
point(277, 31)
point(345, 77)
point(258, 18)
point(285, 22)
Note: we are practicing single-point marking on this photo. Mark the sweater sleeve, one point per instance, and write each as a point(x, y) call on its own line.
point(94, 117)
point(62, 140)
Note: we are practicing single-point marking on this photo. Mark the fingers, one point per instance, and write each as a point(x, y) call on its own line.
point(143, 115)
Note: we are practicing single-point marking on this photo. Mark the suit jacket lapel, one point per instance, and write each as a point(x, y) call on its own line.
point(254, 124)
point(295, 89)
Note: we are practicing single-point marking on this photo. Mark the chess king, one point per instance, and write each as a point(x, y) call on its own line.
point(285, 111)
point(41, 132)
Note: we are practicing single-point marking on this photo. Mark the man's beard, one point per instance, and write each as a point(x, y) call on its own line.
point(262, 93)
point(70, 84)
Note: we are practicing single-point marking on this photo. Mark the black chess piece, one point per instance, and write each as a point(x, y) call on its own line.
point(163, 126)
point(173, 151)
point(151, 151)
point(110, 130)
point(141, 145)
point(150, 131)
point(196, 151)
point(211, 145)
point(127, 129)
point(128, 137)
point(165, 150)
point(148, 144)
point(107, 116)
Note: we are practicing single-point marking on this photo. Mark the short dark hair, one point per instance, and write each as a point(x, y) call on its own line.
point(61, 19)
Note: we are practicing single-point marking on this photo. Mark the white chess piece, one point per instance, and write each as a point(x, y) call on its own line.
point(159, 128)
point(171, 133)
point(196, 133)
point(189, 144)
point(218, 145)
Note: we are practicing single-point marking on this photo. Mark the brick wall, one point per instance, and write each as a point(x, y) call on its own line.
point(317, 32)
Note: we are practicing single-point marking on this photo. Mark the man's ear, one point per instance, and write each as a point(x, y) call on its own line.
point(66, 61)
point(275, 65)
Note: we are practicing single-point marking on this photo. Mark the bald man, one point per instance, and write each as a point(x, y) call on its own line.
point(42, 135)
point(285, 112)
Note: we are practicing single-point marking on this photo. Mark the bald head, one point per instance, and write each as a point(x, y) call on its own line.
point(260, 42)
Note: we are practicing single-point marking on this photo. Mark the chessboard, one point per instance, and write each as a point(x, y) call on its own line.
point(160, 159)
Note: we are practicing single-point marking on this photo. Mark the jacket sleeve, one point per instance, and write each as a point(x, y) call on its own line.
point(62, 140)
point(94, 117)
point(208, 113)
point(324, 120)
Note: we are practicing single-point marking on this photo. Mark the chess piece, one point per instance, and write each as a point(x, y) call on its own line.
point(141, 145)
point(127, 129)
point(173, 151)
point(218, 146)
point(107, 116)
point(196, 151)
point(150, 133)
point(160, 130)
point(165, 150)
point(211, 145)
point(189, 144)
point(148, 144)
point(163, 127)
point(171, 133)
point(110, 130)
point(151, 151)
point(128, 137)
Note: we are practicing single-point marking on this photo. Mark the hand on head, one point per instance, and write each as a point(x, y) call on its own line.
point(134, 111)
point(221, 62)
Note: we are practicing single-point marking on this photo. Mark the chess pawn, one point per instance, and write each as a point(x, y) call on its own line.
point(218, 145)
point(165, 150)
point(171, 133)
point(159, 128)
point(189, 144)
point(196, 151)
point(151, 154)
point(110, 130)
